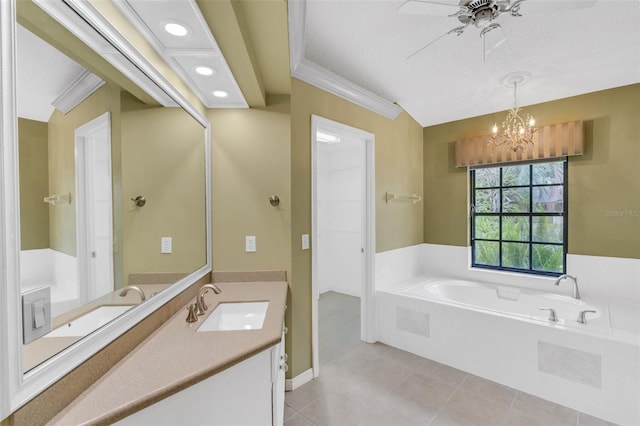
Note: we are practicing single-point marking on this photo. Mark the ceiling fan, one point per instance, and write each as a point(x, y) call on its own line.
point(483, 13)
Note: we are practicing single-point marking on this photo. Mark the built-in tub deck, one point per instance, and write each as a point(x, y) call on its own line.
point(499, 333)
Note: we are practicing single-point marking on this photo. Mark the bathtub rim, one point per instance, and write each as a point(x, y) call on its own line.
point(610, 334)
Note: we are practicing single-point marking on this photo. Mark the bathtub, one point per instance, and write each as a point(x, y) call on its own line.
point(513, 302)
point(499, 333)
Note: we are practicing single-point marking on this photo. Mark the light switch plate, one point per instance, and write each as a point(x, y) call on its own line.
point(36, 314)
point(250, 244)
point(165, 245)
point(305, 241)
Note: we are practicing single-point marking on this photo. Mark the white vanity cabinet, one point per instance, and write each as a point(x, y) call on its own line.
point(280, 367)
point(249, 393)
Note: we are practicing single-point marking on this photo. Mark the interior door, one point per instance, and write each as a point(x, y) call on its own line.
point(94, 206)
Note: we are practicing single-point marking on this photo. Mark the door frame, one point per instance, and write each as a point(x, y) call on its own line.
point(367, 302)
point(103, 122)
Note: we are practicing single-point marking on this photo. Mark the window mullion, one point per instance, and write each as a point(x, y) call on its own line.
point(500, 219)
point(530, 217)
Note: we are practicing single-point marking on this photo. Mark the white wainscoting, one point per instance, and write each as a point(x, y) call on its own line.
point(47, 267)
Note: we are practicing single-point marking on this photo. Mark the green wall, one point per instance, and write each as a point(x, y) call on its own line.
point(62, 217)
point(163, 159)
point(34, 184)
point(603, 184)
point(250, 155)
point(398, 153)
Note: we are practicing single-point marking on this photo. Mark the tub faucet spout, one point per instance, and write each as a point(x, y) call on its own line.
point(129, 288)
point(575, 293)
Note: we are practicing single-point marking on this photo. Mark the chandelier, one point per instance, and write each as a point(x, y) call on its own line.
point(516, 132)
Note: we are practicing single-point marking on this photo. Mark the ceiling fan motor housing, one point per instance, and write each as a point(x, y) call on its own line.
point(480, 12)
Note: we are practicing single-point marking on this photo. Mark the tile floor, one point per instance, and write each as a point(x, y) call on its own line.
point(375, 384)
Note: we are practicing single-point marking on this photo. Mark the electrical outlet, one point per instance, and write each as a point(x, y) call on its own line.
point(165, 245)
point(250, 244)
point(305, 241)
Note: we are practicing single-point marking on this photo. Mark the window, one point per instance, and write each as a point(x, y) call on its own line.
point(518, 218)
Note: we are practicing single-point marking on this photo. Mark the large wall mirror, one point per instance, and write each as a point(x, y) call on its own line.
point(112, 172)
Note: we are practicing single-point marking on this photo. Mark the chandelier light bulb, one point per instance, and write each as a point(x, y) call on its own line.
point(532, 122)
point(495, 129)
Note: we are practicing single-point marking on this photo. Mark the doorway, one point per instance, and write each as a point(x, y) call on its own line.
point(94, 207)
point(343, 237)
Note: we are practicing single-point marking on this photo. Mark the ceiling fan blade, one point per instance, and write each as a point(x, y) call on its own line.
point(425, 7)
point(457, 31)
point(539, 7)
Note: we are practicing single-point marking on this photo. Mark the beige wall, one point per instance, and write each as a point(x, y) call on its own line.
point(250, 162)
point(603, 184)
point(34, 184)
point(62, 217)
point(163, 160)
point(398, 152)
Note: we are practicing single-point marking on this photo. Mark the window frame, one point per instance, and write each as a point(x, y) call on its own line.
point(530, 215)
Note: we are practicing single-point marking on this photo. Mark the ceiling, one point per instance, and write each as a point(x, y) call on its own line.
point(566, 52)
point(243, 43)
point(361, 48)
point(39, 86)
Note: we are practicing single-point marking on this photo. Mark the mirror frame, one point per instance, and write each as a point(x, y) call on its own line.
point(21, 388)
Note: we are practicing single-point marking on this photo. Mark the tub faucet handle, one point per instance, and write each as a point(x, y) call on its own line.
point(552, 313)
point(582, 316)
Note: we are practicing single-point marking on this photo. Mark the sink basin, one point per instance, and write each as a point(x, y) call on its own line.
point(236, 316)
point(89, 322)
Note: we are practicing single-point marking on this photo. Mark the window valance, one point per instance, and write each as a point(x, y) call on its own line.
point(551, 141)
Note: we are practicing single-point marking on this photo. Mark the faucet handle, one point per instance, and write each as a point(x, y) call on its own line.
point(552, 313)
point(192, 316)
point(582, 316)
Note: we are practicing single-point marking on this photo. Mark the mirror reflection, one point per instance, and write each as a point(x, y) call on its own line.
point(112, 197)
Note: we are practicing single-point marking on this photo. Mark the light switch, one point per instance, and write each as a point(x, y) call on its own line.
point(37, 310)
point(165, 245)
point(36, 313)
point(305, 241)
point(250, 244)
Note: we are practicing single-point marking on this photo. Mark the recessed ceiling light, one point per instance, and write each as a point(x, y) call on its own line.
point(220, 94)
point(176, 29)
point(202, 70)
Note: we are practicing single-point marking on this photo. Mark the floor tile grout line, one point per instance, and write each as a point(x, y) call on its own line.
point(307, 405)
point(308, 419)
point(444, 406)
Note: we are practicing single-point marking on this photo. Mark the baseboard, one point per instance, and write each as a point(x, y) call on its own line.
point(299, 380)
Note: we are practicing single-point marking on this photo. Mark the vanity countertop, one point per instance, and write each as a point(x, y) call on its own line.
point(176, 356)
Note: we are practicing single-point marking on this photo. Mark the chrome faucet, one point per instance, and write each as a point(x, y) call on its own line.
point(134, 288)
point(582, 316)
point(201, 306)
point(575, 293)
point(552, 314)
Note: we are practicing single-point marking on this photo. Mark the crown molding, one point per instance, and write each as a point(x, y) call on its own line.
point(318, 76)
point(87, 34)
point(81, 88)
